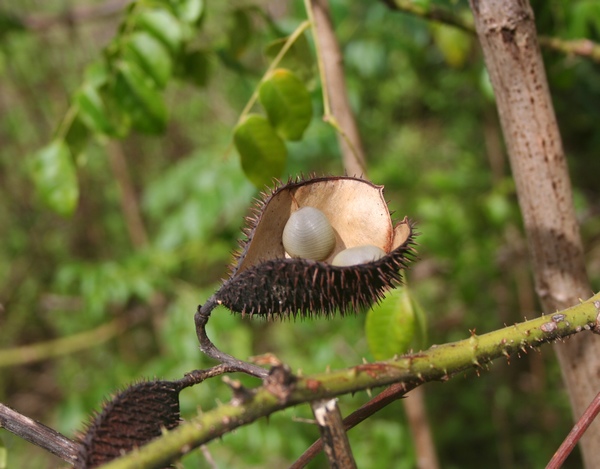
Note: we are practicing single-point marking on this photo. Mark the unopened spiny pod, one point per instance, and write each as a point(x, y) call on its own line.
point(269, 281)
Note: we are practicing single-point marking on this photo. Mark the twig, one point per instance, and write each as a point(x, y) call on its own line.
point(431, 11)
point(38, 434)
point(208, 348)
point(292, 38)
point(575, 434)
point(335, 441)
point(337, 110)
point(273, 65)
point(197, 376)
point(580, 47)
point(437, 363)
point(68, 450)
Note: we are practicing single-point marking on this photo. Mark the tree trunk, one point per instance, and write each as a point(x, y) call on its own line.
point(507, 33)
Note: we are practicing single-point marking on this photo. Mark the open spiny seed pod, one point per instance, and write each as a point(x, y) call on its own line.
point(131, 419)
point(266, 280)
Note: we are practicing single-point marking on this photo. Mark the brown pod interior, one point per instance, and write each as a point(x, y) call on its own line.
point(265, 281)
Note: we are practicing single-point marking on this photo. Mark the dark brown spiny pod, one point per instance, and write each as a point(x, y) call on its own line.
point(267, 280)
point(133, 418)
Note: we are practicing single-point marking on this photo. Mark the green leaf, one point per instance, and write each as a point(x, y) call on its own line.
point(454, 44)
point(55, 178)
point(188, 11)
point(287, 102)
point(119, 118)
point(96, 74)
point(162, 25)
point(584, 19)
point(239, 33)
point(262, 152)
point(195, 67)
point(140, 99)
point(10, 23)
point(393, 325)
point(77, 136)
point(298, 58)
point(92, 110)
point(151, 55)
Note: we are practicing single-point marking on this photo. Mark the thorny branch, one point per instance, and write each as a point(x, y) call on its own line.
point(281, 389)
point(67, 449)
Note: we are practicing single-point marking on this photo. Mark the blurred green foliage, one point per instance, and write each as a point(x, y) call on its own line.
point(428, 120)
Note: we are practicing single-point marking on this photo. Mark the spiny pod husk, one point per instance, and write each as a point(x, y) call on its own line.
point(266, 282)
point(131, 419)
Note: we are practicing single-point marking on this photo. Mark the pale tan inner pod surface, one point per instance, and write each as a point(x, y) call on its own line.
point(355, 208)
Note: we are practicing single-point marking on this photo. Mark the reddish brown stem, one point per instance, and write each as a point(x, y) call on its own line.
point(386, 397)
point(575, 434)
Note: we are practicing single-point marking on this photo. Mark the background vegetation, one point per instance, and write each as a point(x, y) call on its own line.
point(158, 216)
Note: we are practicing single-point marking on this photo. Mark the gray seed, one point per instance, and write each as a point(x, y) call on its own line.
point(308, 234)
point(358, 255)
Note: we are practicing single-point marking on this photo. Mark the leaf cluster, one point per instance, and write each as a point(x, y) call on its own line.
point(428, 120)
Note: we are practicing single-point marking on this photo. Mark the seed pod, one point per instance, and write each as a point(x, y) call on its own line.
point(358, 255)
point(263, 281)
point(308, 234)
point(131, 419)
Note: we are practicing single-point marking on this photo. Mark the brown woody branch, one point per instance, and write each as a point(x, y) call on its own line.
point(333, 434)
point(38, 434)
point(506, 31)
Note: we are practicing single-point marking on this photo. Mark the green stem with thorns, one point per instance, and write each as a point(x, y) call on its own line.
point(281, 389)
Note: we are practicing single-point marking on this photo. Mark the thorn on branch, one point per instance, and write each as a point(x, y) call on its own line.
point(596, 327)
point(280, 382)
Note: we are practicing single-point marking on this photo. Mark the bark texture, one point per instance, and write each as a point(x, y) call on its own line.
point(333, 434)
point(507, 33)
